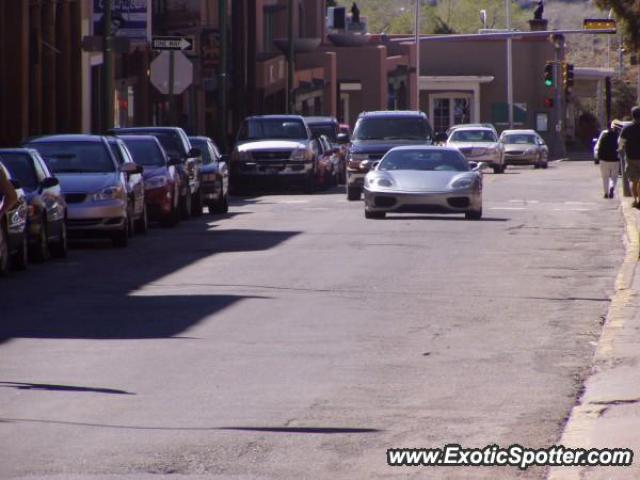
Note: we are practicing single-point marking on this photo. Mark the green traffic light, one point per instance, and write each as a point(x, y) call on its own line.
point(548, 82)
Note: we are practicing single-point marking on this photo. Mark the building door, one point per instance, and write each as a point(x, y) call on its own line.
point(446, 109)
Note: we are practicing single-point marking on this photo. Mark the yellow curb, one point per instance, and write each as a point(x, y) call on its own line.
point(579, 429)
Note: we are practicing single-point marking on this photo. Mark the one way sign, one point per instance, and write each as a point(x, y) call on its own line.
point(183, 44)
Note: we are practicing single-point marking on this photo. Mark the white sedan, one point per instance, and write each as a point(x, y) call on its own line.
point(479, 144)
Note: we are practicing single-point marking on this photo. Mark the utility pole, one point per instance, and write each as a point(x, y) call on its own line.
point(417, 34)
point(509, 65)
point(558, 44)
point(291, 102)
point(107, 67)
point(222, 75)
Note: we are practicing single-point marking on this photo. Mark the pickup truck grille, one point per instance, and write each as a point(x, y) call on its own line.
point(271, 155)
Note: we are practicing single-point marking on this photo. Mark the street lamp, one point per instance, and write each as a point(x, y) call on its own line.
point(507, 5)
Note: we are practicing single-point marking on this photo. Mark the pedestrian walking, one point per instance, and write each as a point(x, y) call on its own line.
point(606, 154)
point(8, 196)
point(629, 144)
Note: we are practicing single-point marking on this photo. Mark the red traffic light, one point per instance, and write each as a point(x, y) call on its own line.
point(548, 102)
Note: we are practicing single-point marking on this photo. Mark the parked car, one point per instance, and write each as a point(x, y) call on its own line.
point(161, 178)
point(94, 185)
point(137, 214)
point(330, 128)
point(177, 145)
point(329, 164)
point(524, 147)
point(215, 175)
point(275, 147)
point(13, 232)
point(375, 134)
point(47, 209)
point(424, 179)
point(479, 144)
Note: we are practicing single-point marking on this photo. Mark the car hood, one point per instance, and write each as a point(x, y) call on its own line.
point(381, 146)
point(472, 144)
point(151, 171)
point(509, 147)
point(272, 145)
point(414, 181)
point(87, 182)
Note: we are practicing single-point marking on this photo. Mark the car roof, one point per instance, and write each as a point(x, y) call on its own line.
point(150, 128)
point(425, 147)
point(276, 117)
point(200, 138)
point(487, 129)
point(527, 131)
point(393, 113)
point(319, 119)
point(137, 138)
point(75, 137)
point(18, 150)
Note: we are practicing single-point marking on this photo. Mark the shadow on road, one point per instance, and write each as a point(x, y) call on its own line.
point(94, 293)
point(443, 217)
point(62, 388)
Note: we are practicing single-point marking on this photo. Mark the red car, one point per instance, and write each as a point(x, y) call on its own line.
point(329, 163)
point(161, 180)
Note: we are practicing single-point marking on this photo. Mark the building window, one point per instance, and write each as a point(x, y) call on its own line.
point(447, 109)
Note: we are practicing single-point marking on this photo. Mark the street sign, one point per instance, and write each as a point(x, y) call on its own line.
point(161, 73)
point(180, 44)
point(130, 19)
point(599, 24)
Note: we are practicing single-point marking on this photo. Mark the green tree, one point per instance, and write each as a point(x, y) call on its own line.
point(627, 13)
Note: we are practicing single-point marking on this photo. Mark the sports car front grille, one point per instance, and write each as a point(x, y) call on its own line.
point(458, 202)
point(384, 201)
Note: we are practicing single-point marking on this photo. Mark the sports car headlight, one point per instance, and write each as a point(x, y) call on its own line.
point(379, 181)
point(110, 193)
point(464, 182)
point(155, 182)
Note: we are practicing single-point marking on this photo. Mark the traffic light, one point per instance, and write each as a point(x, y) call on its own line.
point(568, 84)
point(548, 74)
point(548, 102)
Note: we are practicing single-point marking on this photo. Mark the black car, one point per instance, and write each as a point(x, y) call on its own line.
point(13, 232)
point(47, 209)
point(375, 134)
point(177, 145)
point(215, 175)
point(137, 214)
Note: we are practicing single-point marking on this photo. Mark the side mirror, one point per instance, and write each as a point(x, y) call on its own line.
point(130, 168)
point(375, 164)
point(480, 166)
point(16, 184)
point(343, 138)
point(224, 158)
point(440, 137)
point(195, 152)
point(473, 165)
point(49, 182)
point(173, 161)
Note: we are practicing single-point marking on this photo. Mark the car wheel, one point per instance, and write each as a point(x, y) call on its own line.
point(131, 228)
point(142, 224)
point(120, 239)
point(41, 250)
point(545, 164)
point(376, 215)
point(221, 205)
point(4, 252)
point(60, 248)
point(185, 205)
point(20, 259)
point(353, 193)
point(172, 218)
point(196, 204)
point(473, 214)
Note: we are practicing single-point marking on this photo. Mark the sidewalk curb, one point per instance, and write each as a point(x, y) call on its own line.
point(580, 430)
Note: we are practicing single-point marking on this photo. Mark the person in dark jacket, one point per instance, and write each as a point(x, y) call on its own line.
point(629, 144)
point(606, 154)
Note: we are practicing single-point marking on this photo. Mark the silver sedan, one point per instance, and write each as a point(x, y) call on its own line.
point(424, 179)
point(479, 144)
point(524, 147)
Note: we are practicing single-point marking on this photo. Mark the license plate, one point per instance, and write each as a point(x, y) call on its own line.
point(271, 171)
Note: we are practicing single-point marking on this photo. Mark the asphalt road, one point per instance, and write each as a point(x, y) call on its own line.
point(293, 339)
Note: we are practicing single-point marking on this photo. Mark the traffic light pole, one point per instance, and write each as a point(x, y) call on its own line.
point(558, 44)
point(107, 68)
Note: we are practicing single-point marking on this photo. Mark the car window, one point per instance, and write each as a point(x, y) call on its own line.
point(520, 138)
point(392, 128)
point(328, 129)
point(41, 168)
point(205, 148)
point(264, 129)
point(146, 152)
point(472, 136)
point(21, 168)
point(76, 157)
point(424, 160)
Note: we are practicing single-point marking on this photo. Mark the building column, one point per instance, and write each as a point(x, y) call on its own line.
point(63, 67)
point(48, 66)
point(476, 103)
point(35, 69)
point(16, 72)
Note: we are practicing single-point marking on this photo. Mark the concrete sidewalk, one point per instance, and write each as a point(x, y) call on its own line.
point(608, 412)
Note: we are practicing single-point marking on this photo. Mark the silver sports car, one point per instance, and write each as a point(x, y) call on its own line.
point(424, 179)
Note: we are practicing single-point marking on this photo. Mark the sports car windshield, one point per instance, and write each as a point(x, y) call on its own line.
point(424, 160)
point(473, 136)
point(392, 128)
point(523, 139)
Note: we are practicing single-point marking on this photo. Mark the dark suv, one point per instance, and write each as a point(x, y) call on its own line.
point(375, 134)
point(177, 145)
